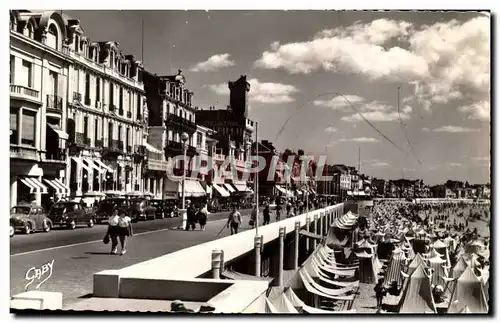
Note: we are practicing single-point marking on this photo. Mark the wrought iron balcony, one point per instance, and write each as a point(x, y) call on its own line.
point(176, 122)
point(57, 157)
point(54, 103)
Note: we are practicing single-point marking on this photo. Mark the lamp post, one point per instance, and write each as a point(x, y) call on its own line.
point(184, 139)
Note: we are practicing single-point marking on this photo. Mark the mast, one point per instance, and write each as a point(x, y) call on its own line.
point(256, 180)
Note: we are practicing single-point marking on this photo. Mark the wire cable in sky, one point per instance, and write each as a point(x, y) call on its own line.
point(403, 129)
point(354, 108)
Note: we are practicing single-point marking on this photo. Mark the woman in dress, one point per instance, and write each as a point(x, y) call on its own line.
point(113, 231)
point(124, 230)
point(202, 216)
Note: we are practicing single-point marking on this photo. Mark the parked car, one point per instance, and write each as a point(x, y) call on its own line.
point(165, 208)
point(70, 214)
point(141, 209)
point(28, 218)
point(107, 206)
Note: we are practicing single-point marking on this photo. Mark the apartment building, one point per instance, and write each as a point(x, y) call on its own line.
point(38, 98)
point(171, 114)
point(77, 111)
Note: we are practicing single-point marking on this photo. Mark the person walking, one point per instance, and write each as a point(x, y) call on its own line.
point(380, 292)
point(234, 220)
point(267, 215)
point(124, 231)
point(191, 218)
point(253, 216)
point(203, 216)
point(278, 212)
point(112, 233)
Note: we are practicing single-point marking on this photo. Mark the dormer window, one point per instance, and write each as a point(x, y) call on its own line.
point(52, 39)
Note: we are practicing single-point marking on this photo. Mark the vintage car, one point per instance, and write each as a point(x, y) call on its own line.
point(106, 207)
point(70, 214)
point(165, 208)
point(28, 218)
point(141, 209)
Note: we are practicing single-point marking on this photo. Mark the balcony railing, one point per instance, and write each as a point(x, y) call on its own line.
point(54, 103)
point(120, 111)
point(219, 157)
point(58, 156)
point(21, 152)
point(98, 143)
point(140, 150)
point(77, 97)
point(79, 139)
point(158, 165)
point(21, 90)
point(86, 142)
point(180, 123)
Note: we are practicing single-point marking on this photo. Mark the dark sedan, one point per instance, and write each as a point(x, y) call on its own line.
point(141, 209)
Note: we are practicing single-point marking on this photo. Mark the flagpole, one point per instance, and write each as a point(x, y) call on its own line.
point(256, 180)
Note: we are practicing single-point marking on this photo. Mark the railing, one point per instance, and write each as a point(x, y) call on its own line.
point(79, 139)
point(158, 165)
point(98, 104)
point(77, 97)
point(176, 121)
point(219, 157)
point(24, 90)
point(86, 142)
point(120, 111)
point(54, 102)
point(58, 156)
point(21, 152)
point(140, 150)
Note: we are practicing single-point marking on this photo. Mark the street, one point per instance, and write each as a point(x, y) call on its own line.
point(78, 254)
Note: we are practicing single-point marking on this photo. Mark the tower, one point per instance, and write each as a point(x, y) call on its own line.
point(238, 98)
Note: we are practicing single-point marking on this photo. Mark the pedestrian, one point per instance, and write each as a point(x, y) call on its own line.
point(234, 220)
point(203, 216)
point(191, 218)
point(380, 292)
point(112, 233)
point(291, 214)
point(267, 215)
point(253, 215)
point(124, 231)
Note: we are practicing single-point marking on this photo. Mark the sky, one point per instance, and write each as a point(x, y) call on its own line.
point(329, 82)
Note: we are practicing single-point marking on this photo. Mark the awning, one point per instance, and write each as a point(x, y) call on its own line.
point(152, 149)
point(91, 164)
point(54, 185)
point(221, 190)
point(193, 189)
point(229, 188)
point(80, 162)
point(34, 185)
point(59, 132)
point(242, 187)
point(284, 191)
point(64, 187)
point(103, 166)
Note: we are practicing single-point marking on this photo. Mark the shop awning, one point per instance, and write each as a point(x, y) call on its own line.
point(80, 162)
point(53, 184)
point(284, 191)
point(34, 185)
point(221, 190)
point(91, 164)
point(229, 188)
point(193, 189)
point(103, 166)
point(242, 187)
point(64, 188)
point(58, 131)
point(152, 149)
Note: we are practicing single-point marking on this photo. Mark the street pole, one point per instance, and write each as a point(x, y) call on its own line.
point(184, 138)
point(256, 181)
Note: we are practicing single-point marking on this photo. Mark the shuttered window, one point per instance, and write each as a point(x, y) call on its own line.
point(28, 135)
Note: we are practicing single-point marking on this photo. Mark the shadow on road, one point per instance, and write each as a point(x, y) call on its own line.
point(97, 253)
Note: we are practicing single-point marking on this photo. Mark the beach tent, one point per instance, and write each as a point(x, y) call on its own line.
point(417, 294)
point(396, 265)
point(439, 270)
point(269, 307)
point(442, 249)
point(415, 263)
point(468, 291)
point(283, 305)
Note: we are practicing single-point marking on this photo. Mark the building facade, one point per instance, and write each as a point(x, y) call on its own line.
point(77, 111)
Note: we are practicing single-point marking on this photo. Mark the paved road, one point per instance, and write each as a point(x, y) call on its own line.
point(77, 259)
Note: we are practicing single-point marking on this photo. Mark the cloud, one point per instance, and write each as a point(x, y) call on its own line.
point(360, 140)
point(262, 92)
point(443, 62)
point(339, 102)
point(330, 129)
point(425, 129)
point(379, 112)
point(477, 111)
point(380, 164)
point(454, 129)
point(482, 159)
point(212, 64)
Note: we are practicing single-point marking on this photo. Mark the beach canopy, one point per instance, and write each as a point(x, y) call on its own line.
point(417, 295)
point(468, 291)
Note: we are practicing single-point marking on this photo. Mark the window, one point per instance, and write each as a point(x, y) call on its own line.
point(120, 133)
point(52, 39)
point(96, 130)
point(120, 98)
point(199, 139)
point(12, 69)
point(28, 126)
point(85, 127)
point(53, 82)
point(139, 109)
point(14, 135)
point(87, 86)
point(110, 133)
point(97, 89)
point(111, 94)
point(130, 101)
point(27, 73)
